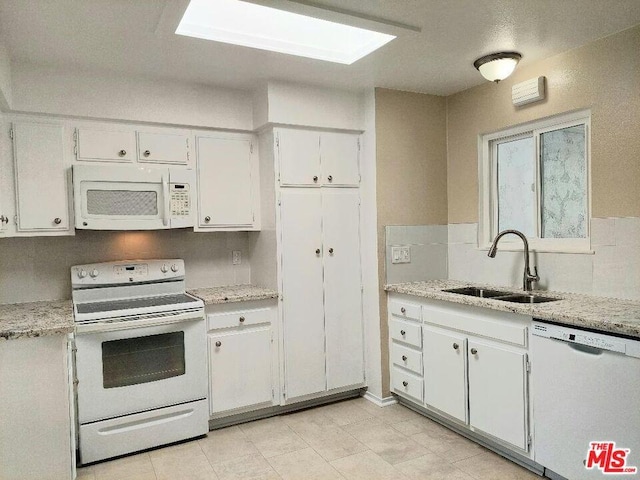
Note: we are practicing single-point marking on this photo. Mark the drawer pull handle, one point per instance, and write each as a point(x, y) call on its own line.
point(455, 346)
point(474, 351)
point(218, 343)
point(403, 310)
point(241, 319)
point(405, 383)
point(404, 358)
point(402, 332)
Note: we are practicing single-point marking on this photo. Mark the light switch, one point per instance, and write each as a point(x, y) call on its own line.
point(237, 257)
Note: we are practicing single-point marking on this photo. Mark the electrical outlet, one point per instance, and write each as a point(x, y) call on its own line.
point(237, 257)
point(401, 254)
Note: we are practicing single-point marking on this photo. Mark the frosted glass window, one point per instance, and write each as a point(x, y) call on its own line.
point(564, 183)
point(516, 171)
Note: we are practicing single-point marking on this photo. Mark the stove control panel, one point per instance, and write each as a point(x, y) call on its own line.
point(126, 272)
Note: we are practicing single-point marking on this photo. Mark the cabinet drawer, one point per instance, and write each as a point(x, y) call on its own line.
point(106, 145)
point(408, 384)
point(405, 310)
point(407, 358)
point(238, 319)
point(406, 332)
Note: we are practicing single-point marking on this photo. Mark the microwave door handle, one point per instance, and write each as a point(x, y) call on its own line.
point(165, 198)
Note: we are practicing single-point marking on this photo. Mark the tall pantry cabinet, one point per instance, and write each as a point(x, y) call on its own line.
point(319, 266)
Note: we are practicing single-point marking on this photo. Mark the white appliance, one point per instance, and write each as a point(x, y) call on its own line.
point(586, 388)
point(140, 357)
point(132, 197)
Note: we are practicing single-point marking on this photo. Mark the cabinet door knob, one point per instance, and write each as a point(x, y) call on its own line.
point(241, 319)
point(317, 251)
point(122, 153)
point(57, 221)
point(402, 332)
point(330, 178)
point(474, 351)
point(404, 358)
point(403, 310)
point(147, 153)
point(331, 251)
point(207, 219)
point(455, 346)
point(315, 179)
point(405, 383)
point(218, 343)
point(4, 219)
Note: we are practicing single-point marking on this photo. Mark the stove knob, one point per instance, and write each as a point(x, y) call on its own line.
point(164, 268)
point(174, 268)
point(94, 273)
point(82, 273)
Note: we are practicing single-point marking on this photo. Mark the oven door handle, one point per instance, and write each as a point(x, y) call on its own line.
point(165, 199)
point(140, 323)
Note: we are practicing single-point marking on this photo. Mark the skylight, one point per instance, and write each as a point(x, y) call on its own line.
point(265, 28)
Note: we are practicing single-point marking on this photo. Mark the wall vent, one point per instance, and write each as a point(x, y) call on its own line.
point(528, 91)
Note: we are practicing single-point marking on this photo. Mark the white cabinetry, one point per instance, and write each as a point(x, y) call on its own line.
point(41, 185)
point(163, 147)
point(227, 182)
point(105, 145)
point(405, 334)
point(308, 158)
point(242, 358)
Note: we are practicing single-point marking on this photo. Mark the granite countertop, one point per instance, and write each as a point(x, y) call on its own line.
point(35, 319)
point(233, 293)
point(608, 315)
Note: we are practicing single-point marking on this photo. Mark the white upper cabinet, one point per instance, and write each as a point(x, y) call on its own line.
point(308, 158)
point(105, 145)
point(299, 157)
point(226, 182)
point(42, 194)
point(339, 159)
point(163, 147)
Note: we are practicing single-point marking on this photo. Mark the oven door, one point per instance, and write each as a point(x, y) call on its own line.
point(121, 197)
point(157, 364)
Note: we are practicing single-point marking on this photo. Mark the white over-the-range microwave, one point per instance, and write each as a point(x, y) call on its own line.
point(132, 197)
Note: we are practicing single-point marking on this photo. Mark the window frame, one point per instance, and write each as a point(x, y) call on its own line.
point(488, 184)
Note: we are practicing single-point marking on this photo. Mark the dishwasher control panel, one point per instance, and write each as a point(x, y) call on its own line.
point(581, 337)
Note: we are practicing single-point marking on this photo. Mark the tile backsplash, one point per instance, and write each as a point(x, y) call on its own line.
point(428, 247)
point(37, 268)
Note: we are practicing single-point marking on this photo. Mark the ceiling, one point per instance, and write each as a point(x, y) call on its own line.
point(136, 38)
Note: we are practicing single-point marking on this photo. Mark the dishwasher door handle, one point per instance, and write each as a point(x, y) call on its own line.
point(585, 348)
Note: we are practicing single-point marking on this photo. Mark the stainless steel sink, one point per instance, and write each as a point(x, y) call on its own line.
point(501, 295)
point(477, 292)
point(527, 298)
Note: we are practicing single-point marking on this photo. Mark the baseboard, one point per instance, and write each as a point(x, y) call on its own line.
point(380, 402)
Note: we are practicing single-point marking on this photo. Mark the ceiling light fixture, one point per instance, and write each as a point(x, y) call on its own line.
point(497, 66)
point(257, 26)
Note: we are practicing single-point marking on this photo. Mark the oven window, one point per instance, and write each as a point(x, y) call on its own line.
point(122, 202)
point(131, 361)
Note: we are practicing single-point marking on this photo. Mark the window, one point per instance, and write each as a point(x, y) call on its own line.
point(535, 178)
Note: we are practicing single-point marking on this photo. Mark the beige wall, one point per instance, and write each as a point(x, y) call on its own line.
point(411, 161)
point(603, 76)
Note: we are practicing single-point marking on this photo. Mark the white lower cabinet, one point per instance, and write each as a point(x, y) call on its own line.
point(242, 359)
point(475, 366)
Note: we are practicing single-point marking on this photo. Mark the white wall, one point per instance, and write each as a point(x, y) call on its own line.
point(613, 269)
point(40, 89)
point(5, 79)
point(38, 268)
point(308, 106)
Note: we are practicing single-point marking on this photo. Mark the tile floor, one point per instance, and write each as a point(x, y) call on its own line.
point(351, 440)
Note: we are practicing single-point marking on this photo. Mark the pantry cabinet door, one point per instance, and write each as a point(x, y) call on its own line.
point(342, 288)
point(224, 181)
point(302, 291)
point(298, 157)
point(445, 385)
point(339, 157)
point(42, 196)
point(498, 392)
point(240, 370)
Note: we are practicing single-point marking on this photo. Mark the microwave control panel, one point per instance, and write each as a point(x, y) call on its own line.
point(179, 201)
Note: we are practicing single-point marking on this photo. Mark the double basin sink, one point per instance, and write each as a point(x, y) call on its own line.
point(501, 295)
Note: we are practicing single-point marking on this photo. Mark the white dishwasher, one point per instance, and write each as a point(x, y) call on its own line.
point(586, 388)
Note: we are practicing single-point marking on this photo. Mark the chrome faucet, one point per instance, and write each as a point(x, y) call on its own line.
point(527, 278)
